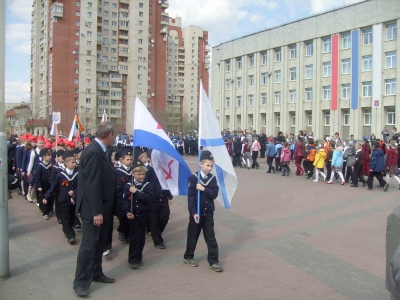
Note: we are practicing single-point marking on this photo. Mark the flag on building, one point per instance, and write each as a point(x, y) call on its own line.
point(172, 171)
point(210, 139)
point(104, 117)
point(76, 129)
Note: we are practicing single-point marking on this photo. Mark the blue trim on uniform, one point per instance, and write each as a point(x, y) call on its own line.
point(212, 142)
point(354, 68)
point(148, 139)
point(221, 180)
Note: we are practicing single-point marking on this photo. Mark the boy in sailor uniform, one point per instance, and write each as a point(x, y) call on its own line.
point(43, 172)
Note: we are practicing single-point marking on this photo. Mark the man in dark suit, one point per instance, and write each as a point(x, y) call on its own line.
point(96, 203)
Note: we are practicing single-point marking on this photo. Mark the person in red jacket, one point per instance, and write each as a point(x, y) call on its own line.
point(391, 162)
point(366, 149)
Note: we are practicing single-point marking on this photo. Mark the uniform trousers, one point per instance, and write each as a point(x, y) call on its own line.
point(270, 159)
point(159, 216)
point(137, 238)
point(90, 255)
point(378, 176)
point(356, 175)
point(67, 220)
point(45, 208)
point(193, 233)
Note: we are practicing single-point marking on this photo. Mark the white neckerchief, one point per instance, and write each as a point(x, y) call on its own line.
point(69, 172)
point(203, 175)
point(137, 182)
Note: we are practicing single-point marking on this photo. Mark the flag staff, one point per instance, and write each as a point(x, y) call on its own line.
point(199, 147)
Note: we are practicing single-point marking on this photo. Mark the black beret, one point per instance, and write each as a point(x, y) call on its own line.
point(43, 152)
point(137, 163)
point(206, 155)
point(127, 152)
point(59, 152)
point(68, 154)
point(118, 155)
point(76, 151)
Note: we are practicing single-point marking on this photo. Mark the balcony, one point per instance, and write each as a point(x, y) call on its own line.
point(164, 4)
point(164, 29)
point(124, 1)
point(57, 10)
point(207, 66)
point(99, 39)
point(123, 37)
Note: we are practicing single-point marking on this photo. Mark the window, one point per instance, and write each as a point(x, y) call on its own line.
point(239, 101)
point(88, 62)
point(390, 117)
point(390, 59)
point(76, 42)
point(309, 49)
point(308, 94)
point(367, 36)
point(239, 82)
point(140, 41)
point(346, 91)
point(88, 100)
point(239, 63)
point(88, 81)
point(264, 58)
point(76, 90)
point(327, 45)
point(264, 77)
point(327, 118)
point(264, 98)
point(278, 119)
point(228, 102)
point(228, 65)
point(292, 74)
point(89, 14)
point(278, 55)
point(75, 100)
point(367, 117)
point(346, 66)
point(278, 76)
point(140, 23)
point(228, 84)
point(277, 97)
point(309, 119)
point(76, 81)
point(89, 33)
point(292, 96)
point(75, 109)
point(327, 69)
point(293, 120)
point(326, 91)
point(251, 61)
point(391, 31)
point(346, 118)
point(251, 100)
point(140, 5)
point(367, 63)
point(367, 89)
point(293, 52)
point(140, 14)
point(88, 91)
point(78, 13)
point(309, 71)
point(346, 41)
point(89, 43)
point(251, 80)
point(390, 86)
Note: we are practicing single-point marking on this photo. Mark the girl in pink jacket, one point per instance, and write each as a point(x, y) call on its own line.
point(285, 159)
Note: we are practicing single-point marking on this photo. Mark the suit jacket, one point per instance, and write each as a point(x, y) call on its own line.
point(392, 243)
point(98, 184)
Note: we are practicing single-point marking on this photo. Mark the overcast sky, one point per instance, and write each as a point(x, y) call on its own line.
point(224, 20)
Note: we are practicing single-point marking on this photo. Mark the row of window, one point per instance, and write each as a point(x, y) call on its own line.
point(390, 89)
point(391, 34)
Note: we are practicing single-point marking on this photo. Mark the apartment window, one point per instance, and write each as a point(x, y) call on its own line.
point(88, 100)
point(278, 55)
point(76, 90)
point(140, 23)
point(239, 101)
point(75, 100)
point(140, 14)
point(251, 80)
point(293, 120)
point(77, 24)
point(140, 41)
point(114, 15)
point(367, 89)
point(105, 31)
point(346, 66)
point(367, 117)
point(114, 24)
point(264, 78)
point(88, 81)
point(78, 3)
point(327, 69)
point(327, 45)
point(251, 100)
point(309, 94)
point(278, 119)
point(367, 62)
point(139, 85)
point(326, 91)
point(309, 119)
point(390, 117)
point(140, 32)
point(391, 31)
point(264, 58)
point(309, 71)
point(88, 62)
point(367, 36)
point(78, 13)
point(293, 52)
point(228, 65)
point(346, 118)
point(76, 32)
point(89, 14)
point(390, 86)
point(140, 5)
point(390, 59)
point(309, 49)
point(292, 98)
point(264, 98)
point(228, 102)
point(278, 78)
point(346, 41)
point(277, 97)
point(140, 50)
point(292, 74)
point(89, 33)
point(76, 42)
point(89, 43)
point(76, 81)
point(239, 82)
point(239, 63)
point(228, 84)
point(346, 91)
point(75, 109)
point(251, 61)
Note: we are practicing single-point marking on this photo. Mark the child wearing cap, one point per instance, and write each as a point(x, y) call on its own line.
point(57, 168)
point(66, 183)
point(209, 189)
point(43, 181)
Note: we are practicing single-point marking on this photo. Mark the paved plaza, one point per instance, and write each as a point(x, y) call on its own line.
point(284, 238)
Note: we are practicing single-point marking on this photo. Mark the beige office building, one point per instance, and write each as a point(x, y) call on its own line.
point(335, 71)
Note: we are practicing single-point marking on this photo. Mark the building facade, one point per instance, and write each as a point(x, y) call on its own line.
point(90, 56)
point(335, 71)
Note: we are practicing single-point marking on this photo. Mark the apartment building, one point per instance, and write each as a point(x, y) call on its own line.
point(335, 71)
point(90, 56)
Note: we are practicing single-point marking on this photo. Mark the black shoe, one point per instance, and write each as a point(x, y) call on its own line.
point(269, 172)
point(77, 226)
point(283, 174)
point(161, 246)
point(134, 265)
point(121, 237)
point(369, 189)
point(140, 263)
point(353, 185)
point(104, 279)
point(81, 292)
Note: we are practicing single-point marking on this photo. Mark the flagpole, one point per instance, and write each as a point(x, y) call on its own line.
point(199, 146)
